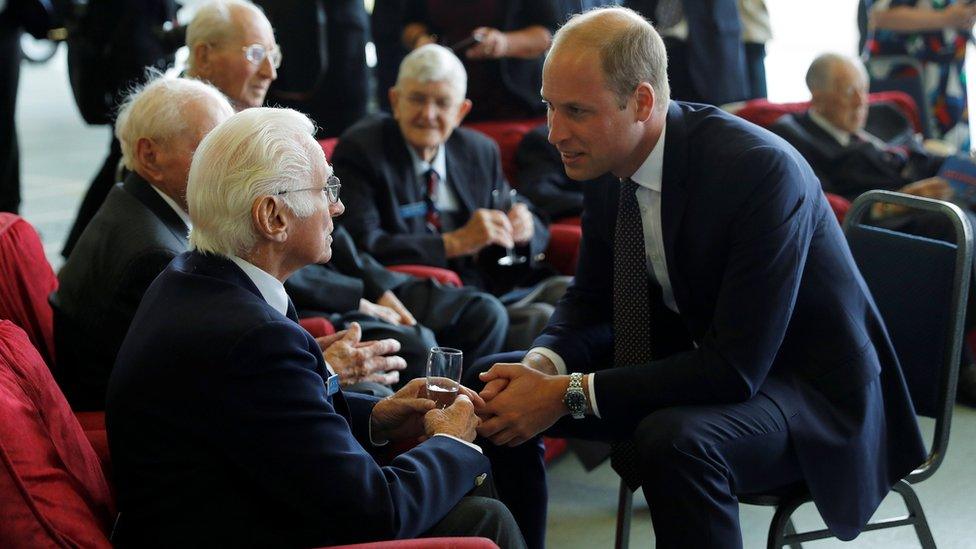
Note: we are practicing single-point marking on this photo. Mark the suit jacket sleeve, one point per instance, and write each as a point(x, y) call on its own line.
point(299, 448)
point(542, 178)
point(321, 289)
point(350, 261)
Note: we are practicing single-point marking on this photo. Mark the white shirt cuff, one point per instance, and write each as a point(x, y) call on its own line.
point(466, 443)
point(551, 355)
point(591, 394)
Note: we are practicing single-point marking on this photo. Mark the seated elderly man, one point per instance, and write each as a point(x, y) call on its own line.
point(831, 136)
point(140, 228)
point(233, 47)
point(226, 426)
point(422, 190)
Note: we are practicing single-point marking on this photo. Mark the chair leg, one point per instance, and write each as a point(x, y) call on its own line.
point(782, 526)
point(916, 513)
point(625, 507)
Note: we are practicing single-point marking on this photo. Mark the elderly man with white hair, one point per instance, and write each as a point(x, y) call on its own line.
point(226, 426)
point(422, 190)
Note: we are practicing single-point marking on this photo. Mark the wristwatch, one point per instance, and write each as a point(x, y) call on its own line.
point(575, 400)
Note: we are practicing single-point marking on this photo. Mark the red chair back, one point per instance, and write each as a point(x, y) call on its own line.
point(53, 492)
point(763, 112)
point(26, 281)
point(328, 146)
point(839, 204)
point(508, 134)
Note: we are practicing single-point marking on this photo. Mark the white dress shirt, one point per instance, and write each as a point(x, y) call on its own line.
point(648, 178)
point(172, 204)
point(444, 197)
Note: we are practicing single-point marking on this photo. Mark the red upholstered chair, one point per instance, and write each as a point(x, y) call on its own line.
point(839, 204)
point(328, 145)
point(763, 113)
point(508, 134)
point(317, 326)
point(26, 280)
point(444, 276)
point(53, 492)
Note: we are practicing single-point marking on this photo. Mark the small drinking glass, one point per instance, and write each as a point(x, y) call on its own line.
point(443, 375)
point(498, 198)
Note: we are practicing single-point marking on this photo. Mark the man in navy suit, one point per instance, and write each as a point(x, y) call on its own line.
point(718, 331)
point(226, 425)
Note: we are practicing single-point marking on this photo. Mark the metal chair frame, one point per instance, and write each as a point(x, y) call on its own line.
point(782, 531)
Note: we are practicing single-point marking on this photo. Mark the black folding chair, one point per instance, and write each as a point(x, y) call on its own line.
point(920, 286)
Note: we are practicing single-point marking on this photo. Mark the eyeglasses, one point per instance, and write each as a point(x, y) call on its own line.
point(331, 189)
point(255, 53)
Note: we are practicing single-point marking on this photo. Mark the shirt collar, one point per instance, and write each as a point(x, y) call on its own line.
point(420, 167)
point(838, 134)
point(649, 173)
point(272, 290)
point(176, 207)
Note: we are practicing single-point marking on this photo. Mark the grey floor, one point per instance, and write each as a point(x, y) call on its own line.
point(60, 155)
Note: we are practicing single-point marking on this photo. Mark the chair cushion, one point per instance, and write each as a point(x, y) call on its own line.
point(52, 489)
point(26, 280)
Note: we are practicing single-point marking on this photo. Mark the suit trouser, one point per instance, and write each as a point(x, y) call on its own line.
point(693, 459)
point(480, 516)
point(9, 151)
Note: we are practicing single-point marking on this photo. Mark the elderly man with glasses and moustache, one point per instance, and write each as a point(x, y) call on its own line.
point(232, 45)
point(226, 425)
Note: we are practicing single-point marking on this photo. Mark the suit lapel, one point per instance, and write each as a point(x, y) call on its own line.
point(143, 191)
point(459, 176)
point(674, 196)
point(409, 188)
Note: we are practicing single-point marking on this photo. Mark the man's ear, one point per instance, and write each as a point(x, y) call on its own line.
point(147, 154)
point(646, 99)
point(202, 60)
point(463, 111)
point(267, 216)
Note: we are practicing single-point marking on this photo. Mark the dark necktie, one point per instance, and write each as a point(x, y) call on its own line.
point(433, 216)
point(631, 312)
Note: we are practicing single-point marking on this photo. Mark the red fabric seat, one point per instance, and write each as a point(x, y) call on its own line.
point(508, 134)
point(26, 280)
point(328, 145)
point(53, 492)
point(839, 204)
point(425, 543)
point(564, 243)
point(444, 276)
point(763, 112)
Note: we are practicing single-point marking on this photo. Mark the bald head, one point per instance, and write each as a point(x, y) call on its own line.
point(838, 89)
point(628, 48)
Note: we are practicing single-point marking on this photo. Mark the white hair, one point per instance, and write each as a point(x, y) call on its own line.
point(213, 23)
point(256, 152)
point(434, 63)
point(159, 111)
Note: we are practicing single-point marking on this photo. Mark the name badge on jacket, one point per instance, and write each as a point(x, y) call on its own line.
point(332, 385)
point(415, 209)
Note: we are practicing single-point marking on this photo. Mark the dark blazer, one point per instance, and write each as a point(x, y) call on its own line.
point(542, 178)
point(337, 286)
point(858, 167)
point(713, 53)
point(378, 180)
point(222, 432)
point(130, 240)
point(771, 297)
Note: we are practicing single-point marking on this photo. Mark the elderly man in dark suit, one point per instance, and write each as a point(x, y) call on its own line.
point(225, 423)
point(141, 227)
point(421, 190)
point(718, 331)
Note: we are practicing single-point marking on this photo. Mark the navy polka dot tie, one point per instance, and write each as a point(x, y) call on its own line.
point(631, 312)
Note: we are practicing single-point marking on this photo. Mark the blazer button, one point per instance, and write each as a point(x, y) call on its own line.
point(480, 479)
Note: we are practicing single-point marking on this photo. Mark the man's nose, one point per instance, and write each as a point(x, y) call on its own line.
point(557, 129)
point(335, 210)
point(267, 68)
